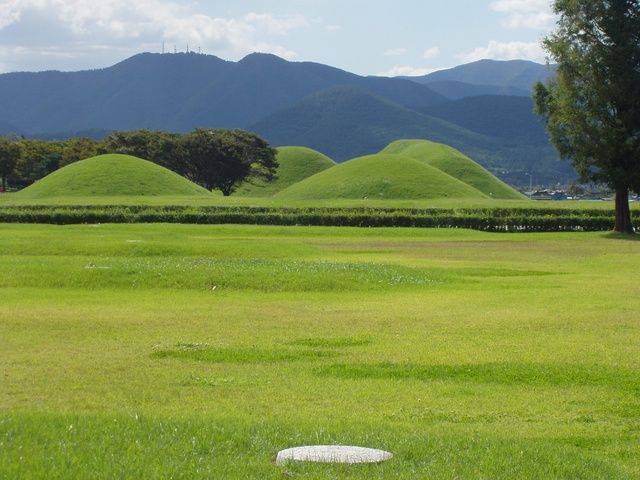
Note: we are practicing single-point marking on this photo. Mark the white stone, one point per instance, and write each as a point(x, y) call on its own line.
point(332, 454)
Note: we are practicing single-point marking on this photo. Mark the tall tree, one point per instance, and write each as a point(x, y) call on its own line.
point(9, 155)
point(592, 107)
point(223, 159)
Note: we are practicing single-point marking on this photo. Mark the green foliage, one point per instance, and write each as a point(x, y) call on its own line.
point(9, 156)
point(38, 158)
point(495, 219)
point(380, 176)
point(294, 164)
point(223, 159)
point(79, 148)
point(592, 108)
point(153, 145)
point(456, 164)
point(111, 175)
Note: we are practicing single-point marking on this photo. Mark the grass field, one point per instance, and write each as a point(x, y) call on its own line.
point(158, 351)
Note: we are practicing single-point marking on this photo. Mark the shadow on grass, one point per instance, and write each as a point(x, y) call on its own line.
point(622, 236)
point(242, 355)
point(498, 373)
point(343, 342)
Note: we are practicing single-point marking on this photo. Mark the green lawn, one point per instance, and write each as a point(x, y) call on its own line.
point(183, 351)
point(216, 199)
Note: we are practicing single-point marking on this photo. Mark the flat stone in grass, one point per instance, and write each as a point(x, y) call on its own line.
point(332, 454)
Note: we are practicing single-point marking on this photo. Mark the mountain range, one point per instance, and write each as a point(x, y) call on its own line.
point(483, 108)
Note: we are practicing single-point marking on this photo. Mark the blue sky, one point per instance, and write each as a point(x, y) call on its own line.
point(400, 37)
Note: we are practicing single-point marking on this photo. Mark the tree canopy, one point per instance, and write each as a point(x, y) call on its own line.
point(592, 107)
point(223, 159)
point(9, 156)
point(214, 158)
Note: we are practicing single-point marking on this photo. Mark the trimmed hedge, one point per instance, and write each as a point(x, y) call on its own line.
point(492, 220)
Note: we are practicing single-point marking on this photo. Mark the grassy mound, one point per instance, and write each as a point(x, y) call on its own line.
point(456, 164)
point(112, 175)
point(380, 177)
point(295, 164)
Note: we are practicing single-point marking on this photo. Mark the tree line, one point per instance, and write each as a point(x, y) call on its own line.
point(217, 159)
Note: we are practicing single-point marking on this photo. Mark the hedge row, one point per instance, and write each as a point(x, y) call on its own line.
point(499, 219)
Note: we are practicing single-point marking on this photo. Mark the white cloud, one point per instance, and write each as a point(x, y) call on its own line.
point(395, 52)
point(405, 71)
point(534, 14)
point(281, 25)
point(505, 51)
point(432, 52)
point(74, 27)
point(334, 28)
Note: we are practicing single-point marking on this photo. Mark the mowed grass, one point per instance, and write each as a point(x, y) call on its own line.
point(170, 351)
point(456, 164)
point(216, 199)
point(294, 164)
point(111, 175)
point(380, 176)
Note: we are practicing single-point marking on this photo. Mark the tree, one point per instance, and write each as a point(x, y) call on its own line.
point(592, 107)
point(9, 155)
point(75, 149)
point(156, 146)
point(223, 159)
point(38, 158)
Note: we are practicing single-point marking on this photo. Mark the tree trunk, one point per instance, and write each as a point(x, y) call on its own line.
point(4, 184)
point(623, 214)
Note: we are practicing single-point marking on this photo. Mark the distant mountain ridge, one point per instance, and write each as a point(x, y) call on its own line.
point(473, 107)
point(487, 77)
point(179, 92)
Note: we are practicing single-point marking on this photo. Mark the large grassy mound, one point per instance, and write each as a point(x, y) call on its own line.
point(295, 164)
point(456, 164)
point(112, 175)
point(380, 176)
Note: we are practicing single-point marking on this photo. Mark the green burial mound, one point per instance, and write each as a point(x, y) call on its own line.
point(380, 176)
point(112, 175)
point(456, 164)
point(295, 164)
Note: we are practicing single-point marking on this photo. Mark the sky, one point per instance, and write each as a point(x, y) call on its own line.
point(368, 37)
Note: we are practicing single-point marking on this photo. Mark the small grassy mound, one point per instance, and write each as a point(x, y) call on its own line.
point(112, 175)
point(295, 164)
point(380, 177)
point(456, 164)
